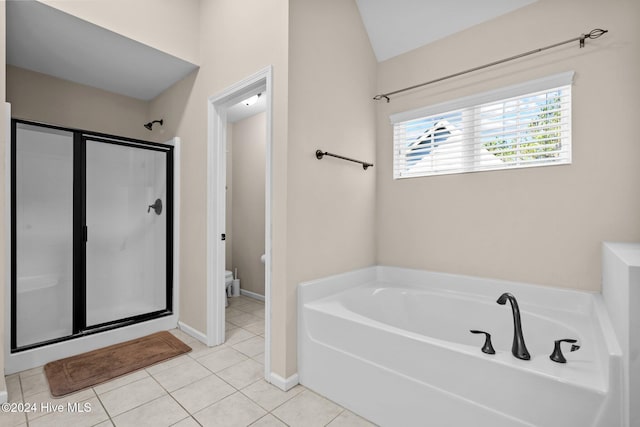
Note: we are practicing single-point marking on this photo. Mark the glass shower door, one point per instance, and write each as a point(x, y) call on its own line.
point(128, 209)
point(42, 224)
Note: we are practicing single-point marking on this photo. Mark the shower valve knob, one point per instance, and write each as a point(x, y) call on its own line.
point(157, 207)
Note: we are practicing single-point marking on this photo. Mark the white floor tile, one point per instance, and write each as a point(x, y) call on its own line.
point(237, 302)
point(163, 411)
point(269, 396)
point(206, 351)
point(244, 319)
point(200, 388)
point(202, 393)
point(231, 312)
point(14, 390)
point(236, 335)
point(235, 410)
point(196, 345)
point(349, 419)
point(250, 307)
point(13, 419)
point(34, 384)
point(307, 409)
point(222, 359)
point(32, 371)
point(91, 417)
point(256, 328)
point(243, 373)
point(46, 398)
point(171, 363)
point(187, 422)
point(250, 347)
point(268, 421)
point(131, 395)
point(179, 376)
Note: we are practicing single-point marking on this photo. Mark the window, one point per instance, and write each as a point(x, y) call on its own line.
point(514, 127)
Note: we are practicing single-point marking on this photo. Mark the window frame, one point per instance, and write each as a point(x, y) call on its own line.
point(471, 104)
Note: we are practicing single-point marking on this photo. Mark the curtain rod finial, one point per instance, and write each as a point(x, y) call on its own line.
point(593, 34)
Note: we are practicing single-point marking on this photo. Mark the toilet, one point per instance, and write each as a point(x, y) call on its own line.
point(228, 283)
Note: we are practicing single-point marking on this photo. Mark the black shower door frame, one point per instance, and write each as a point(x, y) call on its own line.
point(79, 280)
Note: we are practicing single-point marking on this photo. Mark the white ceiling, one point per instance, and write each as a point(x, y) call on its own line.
point(398, 26)
point(44, 39)
point(240, 111)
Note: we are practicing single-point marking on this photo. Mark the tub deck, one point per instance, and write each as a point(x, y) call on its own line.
point(393, 370)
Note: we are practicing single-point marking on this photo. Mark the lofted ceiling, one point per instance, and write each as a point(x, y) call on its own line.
point(46, 40)
point(398, 26)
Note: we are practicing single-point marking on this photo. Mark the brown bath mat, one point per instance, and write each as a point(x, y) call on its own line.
point(88, 369)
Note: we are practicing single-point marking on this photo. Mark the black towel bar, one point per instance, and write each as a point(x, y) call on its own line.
point(320, 154)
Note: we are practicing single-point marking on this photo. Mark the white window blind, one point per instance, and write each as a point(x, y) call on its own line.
point(514, 127)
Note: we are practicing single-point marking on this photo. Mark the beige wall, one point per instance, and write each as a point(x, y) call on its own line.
point(321, 210)
point(331, 203)
point(228, 55)
point(248, 201)
point(167, 25)
point(228, 256)
point(540, 225)
point(39, 97)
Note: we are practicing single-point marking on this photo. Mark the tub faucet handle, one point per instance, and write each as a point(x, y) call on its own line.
point(557, 355)
point(487, 347)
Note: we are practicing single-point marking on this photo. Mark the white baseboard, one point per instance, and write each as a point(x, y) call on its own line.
point(192, 332)
point(251, 295)
point(282, 383)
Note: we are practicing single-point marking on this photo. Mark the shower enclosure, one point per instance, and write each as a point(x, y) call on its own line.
point(92, 231)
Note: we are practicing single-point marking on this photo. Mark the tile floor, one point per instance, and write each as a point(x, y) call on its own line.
point(218, 386)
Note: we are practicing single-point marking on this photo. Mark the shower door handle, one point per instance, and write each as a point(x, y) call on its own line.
point(85, 233)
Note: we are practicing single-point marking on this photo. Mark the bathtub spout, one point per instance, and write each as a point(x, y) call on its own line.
point(519, 349)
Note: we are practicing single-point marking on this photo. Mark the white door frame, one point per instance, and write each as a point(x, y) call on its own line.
point(216, 204)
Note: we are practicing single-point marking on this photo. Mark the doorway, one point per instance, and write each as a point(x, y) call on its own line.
point(219, 106)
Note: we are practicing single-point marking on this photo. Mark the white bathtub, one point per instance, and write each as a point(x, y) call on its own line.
point(393, 345)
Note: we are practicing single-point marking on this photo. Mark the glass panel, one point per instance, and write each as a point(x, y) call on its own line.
point(44, 236)
point(126, 246)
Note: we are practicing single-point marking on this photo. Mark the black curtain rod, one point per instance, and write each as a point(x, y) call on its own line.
point(320, 154)
point(593, 34)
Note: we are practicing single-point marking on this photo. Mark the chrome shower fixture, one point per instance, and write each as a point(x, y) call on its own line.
point(150, 124)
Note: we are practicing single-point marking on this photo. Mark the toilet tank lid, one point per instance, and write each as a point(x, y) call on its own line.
point(228, 273)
